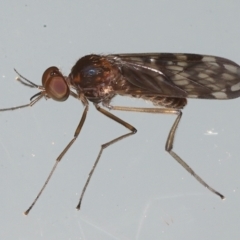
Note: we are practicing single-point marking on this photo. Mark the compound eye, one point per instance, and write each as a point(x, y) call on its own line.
point(50, 72)
point(55, 84)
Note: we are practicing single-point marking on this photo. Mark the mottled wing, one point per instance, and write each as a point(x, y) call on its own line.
point(181, 75)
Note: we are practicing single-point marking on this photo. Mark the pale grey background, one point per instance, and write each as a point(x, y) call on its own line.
point(138, 190)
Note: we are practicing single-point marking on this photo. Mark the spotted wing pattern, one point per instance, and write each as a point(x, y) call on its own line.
point(181, 75)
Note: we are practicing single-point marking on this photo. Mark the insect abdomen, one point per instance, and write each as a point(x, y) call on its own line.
point(177, 103)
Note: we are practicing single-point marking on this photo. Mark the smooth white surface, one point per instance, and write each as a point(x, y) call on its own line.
point(138, 191)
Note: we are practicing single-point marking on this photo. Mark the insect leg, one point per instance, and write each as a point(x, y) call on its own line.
point(105, 145)
point(170, 139)
point(169, 147)
point(79, 127)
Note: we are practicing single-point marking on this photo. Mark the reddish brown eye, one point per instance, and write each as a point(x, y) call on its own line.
point(55, 84)
point(50, 72)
